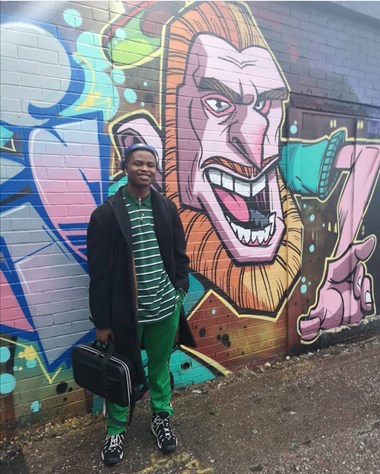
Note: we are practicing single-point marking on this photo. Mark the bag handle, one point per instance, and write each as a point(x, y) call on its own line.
point(135, 390)
point(105, 359)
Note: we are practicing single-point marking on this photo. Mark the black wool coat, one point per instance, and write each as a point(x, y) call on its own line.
point(113, 286)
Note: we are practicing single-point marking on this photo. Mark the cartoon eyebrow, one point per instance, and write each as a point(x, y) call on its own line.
point(214, 85)
point(281, 93)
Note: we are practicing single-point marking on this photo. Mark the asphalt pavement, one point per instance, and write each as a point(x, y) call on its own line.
point(316, 413)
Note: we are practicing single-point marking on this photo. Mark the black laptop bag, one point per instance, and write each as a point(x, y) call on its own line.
point(110, 375)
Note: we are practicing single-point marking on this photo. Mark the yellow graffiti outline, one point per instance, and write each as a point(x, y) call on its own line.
point(211, 362)
point(140, 62)
point(92, 99)
point(329, 135)
point(342, 172)
point(12, 148)
point(323, 280)
point(231, 308)
point(121, 120)
point(42, 367)
point(344, 175)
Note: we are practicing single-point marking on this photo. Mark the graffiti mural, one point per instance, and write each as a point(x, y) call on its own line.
point(274, 197)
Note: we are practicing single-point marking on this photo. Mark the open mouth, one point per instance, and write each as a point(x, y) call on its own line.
point(245, 205)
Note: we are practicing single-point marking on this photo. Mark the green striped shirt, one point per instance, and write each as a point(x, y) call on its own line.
point(156, 294)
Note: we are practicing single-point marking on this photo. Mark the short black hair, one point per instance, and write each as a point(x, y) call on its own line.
point(135, 147)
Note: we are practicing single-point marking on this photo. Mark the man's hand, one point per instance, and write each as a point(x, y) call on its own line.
point(345, 294)
point(104, 335)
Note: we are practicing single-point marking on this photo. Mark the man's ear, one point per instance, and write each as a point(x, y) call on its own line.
point(139, 129)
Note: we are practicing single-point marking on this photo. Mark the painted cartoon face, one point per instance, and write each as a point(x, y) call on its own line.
point(230, 109)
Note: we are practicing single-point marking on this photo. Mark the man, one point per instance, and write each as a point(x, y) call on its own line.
point(138, 279)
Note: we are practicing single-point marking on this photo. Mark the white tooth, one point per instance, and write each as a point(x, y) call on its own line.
point(246, 235)
point(227, 182)
point(368, 298)
point(253, 236)
point(272, 218)
point(240, 232)
point(260, 236)
point(258, 186)
point(234, 228)
point(243, 188)
point(215, 177)
point(266, 230)
point(228, 219)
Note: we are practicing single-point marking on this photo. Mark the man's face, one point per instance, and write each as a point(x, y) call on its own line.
point(229, 116)
point(141, 169)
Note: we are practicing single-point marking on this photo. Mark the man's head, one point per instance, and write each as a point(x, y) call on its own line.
point(140, 164)
point(137, 147)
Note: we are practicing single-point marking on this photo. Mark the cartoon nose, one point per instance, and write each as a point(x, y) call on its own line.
point(246, 137)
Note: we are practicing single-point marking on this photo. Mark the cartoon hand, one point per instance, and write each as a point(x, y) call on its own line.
point(345, 294)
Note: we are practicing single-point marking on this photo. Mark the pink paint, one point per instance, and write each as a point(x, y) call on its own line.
point(293, 53)
point(235, 205)
point(64, 187)
point(11, 313)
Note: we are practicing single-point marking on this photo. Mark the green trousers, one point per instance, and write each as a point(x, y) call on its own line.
point(158, 339)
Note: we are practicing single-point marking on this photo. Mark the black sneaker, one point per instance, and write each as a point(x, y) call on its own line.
point(162, 430)
point(113, 449)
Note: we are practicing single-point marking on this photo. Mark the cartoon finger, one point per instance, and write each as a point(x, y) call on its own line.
point(346, 263)
point(334, 308)
point(318, 312)
point(358, 280)
point(364, 249)
point(366, 297)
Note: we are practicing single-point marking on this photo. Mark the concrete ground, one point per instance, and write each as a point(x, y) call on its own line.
point(316, 413)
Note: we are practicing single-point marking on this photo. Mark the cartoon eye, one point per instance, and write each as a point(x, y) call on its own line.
point(263, 106)
point(218, 105)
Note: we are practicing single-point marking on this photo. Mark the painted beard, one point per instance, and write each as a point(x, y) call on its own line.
point(255, 288)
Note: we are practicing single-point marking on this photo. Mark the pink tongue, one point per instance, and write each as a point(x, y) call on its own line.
point(235, 205)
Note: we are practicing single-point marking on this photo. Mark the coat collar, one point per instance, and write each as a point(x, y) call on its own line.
point(161, 217)
point(118, 206)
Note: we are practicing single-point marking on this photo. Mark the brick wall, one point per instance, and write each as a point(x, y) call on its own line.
point(266, 119)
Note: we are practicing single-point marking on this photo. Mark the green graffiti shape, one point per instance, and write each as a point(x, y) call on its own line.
point(134, 46)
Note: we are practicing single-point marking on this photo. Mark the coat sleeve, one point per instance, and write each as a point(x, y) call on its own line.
point(179, 247)
point(99, 254)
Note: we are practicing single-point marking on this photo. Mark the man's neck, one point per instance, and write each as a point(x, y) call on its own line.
point(138, 192)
